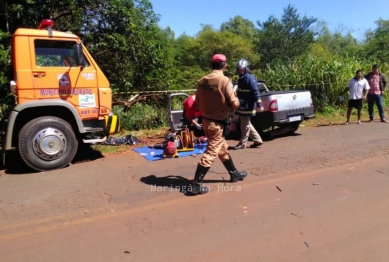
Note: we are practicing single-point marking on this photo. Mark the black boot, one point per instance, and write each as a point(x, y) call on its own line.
point(196, 186)
point(239, 146)
point(234, 174)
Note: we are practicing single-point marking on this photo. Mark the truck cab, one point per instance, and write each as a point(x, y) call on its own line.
point(61, 96)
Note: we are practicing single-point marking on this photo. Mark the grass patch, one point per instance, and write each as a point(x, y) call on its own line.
point(110, 150)
point(338, 115)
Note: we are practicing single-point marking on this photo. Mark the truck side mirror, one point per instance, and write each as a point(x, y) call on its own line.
point(79, 55)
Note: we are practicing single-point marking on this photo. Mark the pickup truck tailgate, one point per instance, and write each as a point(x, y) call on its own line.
point(290, 100)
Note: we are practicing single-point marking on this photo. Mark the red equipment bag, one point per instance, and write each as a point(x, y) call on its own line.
point(170, 148)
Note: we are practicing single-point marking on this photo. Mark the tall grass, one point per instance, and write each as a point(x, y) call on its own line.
point(148, 114)
point(141, 116)
point(325, 78)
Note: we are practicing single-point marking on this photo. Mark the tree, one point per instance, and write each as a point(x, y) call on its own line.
point(21, 13)
point(284, 39)
point(5, 98)
point(128, 44)
point(240, 26)
point(336, 43)
point(193, 55)
point(376, 47)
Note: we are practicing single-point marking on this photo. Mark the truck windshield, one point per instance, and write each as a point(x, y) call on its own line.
point(55, 53)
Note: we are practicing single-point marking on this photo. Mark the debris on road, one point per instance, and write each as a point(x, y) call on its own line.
point(278, 188)
point(316, 184)
point(126, 140)
point(127, 252)
point(296, 215)
point(306, 243)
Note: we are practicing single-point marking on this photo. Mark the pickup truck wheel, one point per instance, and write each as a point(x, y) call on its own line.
point(256, 124)
point(47, 143)
point(294, 127)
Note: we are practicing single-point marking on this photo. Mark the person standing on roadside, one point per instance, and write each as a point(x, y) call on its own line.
point(250, 104)
point(216, 100)
point(358, 87)
point(378, 85)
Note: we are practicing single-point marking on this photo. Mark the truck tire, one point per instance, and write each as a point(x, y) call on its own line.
point(257, 125)
point(47, 143)
point(293, 128)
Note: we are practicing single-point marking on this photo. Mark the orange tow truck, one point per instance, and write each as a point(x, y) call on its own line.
point(62, 96)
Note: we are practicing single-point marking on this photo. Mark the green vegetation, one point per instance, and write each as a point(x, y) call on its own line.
point(141, 116)
point(325, 78)
point(288, 53)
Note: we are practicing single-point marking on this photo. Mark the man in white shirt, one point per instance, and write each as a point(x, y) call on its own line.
point(358, 87)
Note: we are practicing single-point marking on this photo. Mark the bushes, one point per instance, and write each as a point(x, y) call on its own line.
point(7, 100)
point(141, 116)
point(150, 113)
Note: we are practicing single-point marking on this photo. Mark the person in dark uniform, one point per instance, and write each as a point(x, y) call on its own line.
point(216, 100)
point(250, 104)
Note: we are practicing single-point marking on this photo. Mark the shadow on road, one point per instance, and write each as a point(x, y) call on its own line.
point(86, 153)
point(177, 183)
point(16, 166)
point(266, 137)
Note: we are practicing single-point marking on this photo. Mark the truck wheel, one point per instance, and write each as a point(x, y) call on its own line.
point(47, 143)
point(294, 127)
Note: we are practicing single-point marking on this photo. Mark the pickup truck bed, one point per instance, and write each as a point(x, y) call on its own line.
point(288, 113)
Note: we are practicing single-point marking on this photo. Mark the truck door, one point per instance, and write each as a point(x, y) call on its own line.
point(56, 76)
point(175, 110)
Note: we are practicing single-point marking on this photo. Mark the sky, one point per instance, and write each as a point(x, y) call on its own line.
point(186, 16)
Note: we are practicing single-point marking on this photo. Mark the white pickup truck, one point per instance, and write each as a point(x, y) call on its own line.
point(284, 111)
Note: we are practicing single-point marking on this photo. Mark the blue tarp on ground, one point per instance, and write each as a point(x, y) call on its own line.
point(153, 154)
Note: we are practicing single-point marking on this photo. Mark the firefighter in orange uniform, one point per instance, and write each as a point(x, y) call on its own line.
point(216, 100)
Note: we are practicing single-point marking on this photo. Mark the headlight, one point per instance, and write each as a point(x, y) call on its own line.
point(12, 87)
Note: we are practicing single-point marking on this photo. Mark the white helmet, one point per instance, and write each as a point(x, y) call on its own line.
point(242, 64)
